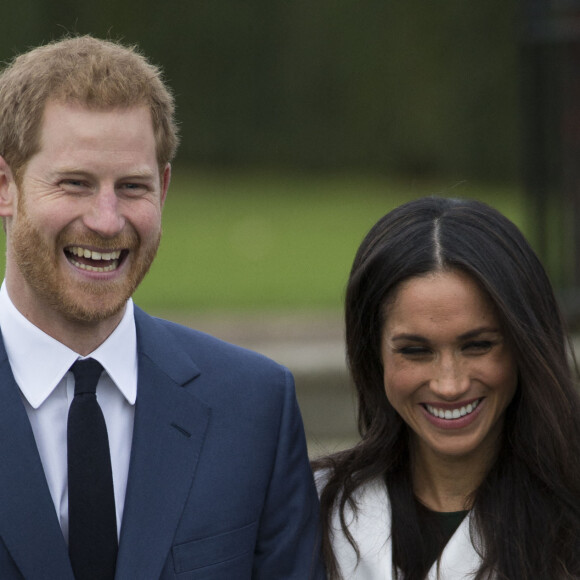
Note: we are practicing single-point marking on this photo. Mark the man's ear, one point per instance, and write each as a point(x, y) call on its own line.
point(8, 190)
point(165, 179)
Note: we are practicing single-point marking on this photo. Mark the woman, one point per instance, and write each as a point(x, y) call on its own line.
point(469, 463)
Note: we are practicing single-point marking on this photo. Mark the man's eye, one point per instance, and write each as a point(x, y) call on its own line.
point(73, 185)
point(135, 185)
point(134, 188)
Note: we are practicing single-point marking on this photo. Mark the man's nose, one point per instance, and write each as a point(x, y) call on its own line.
point(103, 215)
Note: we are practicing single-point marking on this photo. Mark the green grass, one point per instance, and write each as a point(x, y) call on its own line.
point(246, 242)
point(241, 241)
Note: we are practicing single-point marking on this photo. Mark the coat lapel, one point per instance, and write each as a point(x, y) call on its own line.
point(370, 528)
point(29, 525)
point(459, 559)
point(170, 425)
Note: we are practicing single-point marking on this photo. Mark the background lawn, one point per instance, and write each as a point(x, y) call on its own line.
point(255, 241)
point(271, 242)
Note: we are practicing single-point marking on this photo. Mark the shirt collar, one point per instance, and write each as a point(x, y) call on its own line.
point(39, 362)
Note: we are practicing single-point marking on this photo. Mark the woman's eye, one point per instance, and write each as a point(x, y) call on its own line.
point(414, 350)
point(478, 346)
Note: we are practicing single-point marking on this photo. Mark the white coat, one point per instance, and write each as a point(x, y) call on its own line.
point(371, 527)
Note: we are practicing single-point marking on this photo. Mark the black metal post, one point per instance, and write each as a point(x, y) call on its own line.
point(551, 104)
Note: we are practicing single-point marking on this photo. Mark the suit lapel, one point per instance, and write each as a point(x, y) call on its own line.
point(29, 525)
point(170, 425)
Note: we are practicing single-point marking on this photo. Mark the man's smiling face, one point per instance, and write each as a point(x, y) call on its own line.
point(86, 221)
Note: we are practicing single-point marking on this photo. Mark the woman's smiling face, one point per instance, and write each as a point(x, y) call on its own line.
point(448, 369)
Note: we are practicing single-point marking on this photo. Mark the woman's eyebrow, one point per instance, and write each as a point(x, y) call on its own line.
point(413, 337)
point(465, 336)
point(477, 331)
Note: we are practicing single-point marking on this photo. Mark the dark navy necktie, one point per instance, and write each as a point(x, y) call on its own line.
point(91, 499)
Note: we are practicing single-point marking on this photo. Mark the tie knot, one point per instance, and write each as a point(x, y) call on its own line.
point(87, 373)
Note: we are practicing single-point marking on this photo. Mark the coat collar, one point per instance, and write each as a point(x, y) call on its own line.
point(370, 528)
point(459, 559)
point(169, 430)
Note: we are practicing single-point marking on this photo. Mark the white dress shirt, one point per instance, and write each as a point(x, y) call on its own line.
point(41, 364)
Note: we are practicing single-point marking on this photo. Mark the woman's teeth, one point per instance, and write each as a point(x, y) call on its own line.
point(453, 414)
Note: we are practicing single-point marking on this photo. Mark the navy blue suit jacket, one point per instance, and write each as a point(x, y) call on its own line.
point(219, 483)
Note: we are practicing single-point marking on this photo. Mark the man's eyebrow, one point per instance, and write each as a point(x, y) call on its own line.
point(136, 174)
point(69, 170)
point(140, 174)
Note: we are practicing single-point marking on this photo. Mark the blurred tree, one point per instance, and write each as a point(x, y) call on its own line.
point(416, 87)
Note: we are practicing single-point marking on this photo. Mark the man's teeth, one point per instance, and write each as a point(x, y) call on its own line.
point(84, 253)
point(109, 268)
point(112, 257)
point(455, 414)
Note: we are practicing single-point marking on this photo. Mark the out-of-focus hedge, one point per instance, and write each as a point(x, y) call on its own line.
point(415, 87)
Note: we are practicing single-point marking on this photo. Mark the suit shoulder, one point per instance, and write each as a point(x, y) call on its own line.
point(205, 349)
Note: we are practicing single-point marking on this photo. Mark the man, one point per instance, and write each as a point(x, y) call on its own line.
point(205, 473)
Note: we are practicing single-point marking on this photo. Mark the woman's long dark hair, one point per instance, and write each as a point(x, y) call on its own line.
point(526, 512)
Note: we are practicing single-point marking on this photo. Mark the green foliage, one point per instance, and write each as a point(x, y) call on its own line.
point(413, 87)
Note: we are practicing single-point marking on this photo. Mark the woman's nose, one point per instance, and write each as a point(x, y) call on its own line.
point(451, 379)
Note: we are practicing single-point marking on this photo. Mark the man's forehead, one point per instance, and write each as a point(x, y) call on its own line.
point(78, 106)
point(79, 119)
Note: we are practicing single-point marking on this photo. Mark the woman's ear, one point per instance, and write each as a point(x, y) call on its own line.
point(8, 190)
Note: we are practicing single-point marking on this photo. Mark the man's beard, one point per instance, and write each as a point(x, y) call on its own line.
point(78, 300)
